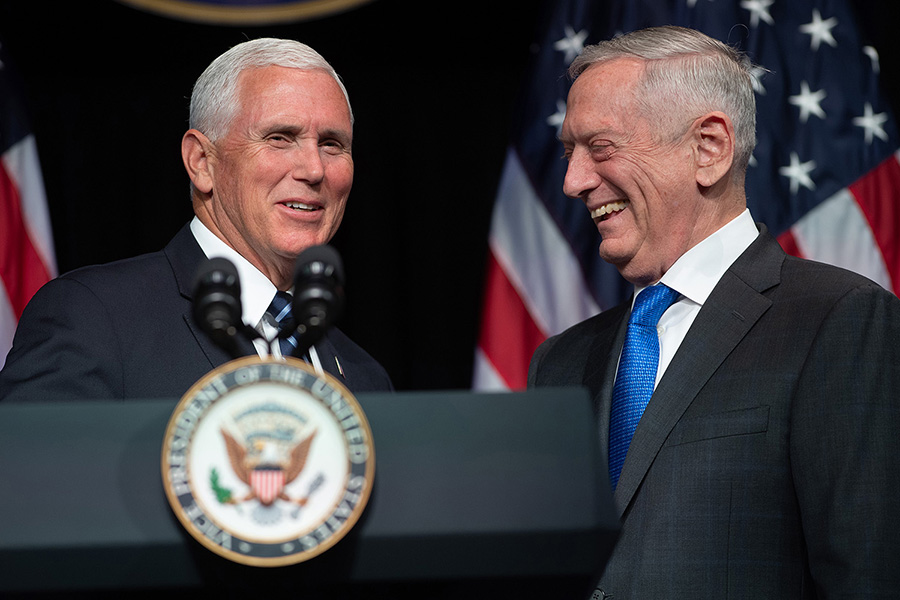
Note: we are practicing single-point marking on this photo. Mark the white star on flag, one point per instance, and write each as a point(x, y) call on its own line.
point(759, 9)
point(756, 74)
point(809, 102)
point(557, 118)
point(872, 123)
point(798, 173)
point(820, 31)
point(872, 53)
point(572, 44)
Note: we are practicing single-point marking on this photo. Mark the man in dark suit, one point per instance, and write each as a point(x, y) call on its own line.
point(753, 429)
point(269, 156)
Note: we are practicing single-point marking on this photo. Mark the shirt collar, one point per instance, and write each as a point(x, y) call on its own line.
point(256, 289)
point(698, 271)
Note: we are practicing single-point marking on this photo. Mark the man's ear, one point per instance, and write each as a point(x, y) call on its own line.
point(714, 148)
point(196, 150)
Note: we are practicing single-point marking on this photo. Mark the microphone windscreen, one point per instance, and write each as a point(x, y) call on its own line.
point(217, 298)
point(318, 294)
point(321, 260)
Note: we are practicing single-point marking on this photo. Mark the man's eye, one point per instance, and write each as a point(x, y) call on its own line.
point(332, 146)
point(600, 151)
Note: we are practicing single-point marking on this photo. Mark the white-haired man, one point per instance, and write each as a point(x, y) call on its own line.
point(269, 156)
point(747, 399)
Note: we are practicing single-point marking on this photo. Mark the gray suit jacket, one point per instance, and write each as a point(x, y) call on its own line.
point(766, 463)
point(126, 330)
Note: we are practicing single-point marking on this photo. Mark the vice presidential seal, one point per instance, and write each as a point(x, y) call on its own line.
point(266, 462)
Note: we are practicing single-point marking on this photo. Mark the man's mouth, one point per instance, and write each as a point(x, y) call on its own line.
point(301, 206)
point(604, 212)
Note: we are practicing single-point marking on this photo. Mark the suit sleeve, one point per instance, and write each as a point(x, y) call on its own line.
point(64, 348)
point(845, 448)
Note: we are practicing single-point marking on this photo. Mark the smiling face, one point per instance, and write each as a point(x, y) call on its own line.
point(639, 184)
point(278, 181)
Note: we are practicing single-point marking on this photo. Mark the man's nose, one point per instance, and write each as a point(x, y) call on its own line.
point(581, 177)
point(308, 164)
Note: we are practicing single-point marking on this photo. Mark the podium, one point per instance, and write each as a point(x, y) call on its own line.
point(475, 496)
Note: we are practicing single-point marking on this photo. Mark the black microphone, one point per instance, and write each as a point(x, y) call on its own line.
point(217, 307)
point(318, 295)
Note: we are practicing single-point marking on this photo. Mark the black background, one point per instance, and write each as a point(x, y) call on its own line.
point(433, 86)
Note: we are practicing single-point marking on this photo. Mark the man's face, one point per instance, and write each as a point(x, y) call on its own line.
point(282, 173)
point(640, 192)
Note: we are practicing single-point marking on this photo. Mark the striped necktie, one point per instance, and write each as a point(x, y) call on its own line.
point(280, 312)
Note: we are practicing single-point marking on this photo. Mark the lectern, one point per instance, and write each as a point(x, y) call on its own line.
point(475, 496)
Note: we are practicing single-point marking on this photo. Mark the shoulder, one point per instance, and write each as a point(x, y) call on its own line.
point(98, 285)
point(136, 270)
point(561, 358)
point(364, 372)
point(143, 277)
point(820, 287)
point(806, 289)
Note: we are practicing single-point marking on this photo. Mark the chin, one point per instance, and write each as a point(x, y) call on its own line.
point(614, 256)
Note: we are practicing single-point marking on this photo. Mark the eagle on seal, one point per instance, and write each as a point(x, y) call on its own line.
point(267, 473)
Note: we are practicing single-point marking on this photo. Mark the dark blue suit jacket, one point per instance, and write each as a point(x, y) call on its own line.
point(125, 330)
point(767, 463)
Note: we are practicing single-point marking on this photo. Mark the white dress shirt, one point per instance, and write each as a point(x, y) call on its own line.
point(694, 276)
point(256, 290)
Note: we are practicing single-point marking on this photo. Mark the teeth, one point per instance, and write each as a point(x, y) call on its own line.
point(608, 209)
point(299, 206)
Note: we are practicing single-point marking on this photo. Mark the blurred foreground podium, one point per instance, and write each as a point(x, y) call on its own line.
point(475, 496)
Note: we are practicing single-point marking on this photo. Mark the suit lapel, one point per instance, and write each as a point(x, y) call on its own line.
point(185, 256)
point(328, 355)
point(731, 311)
point(600, 369)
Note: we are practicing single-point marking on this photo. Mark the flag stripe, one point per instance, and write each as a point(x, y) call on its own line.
point(789, 244)
point(23, 167)
point(21, 268)
point(878, 194)
point(27, 256)
point(509, 334)
point(837, 232)
point(485, 376)
point(536, 258)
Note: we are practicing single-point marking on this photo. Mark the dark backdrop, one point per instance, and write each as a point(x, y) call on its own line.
point(433, 86)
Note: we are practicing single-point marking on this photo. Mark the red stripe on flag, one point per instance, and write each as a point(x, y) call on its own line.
point(876, 193)
point(789, 243)
point(509, 336)
point(21, 268)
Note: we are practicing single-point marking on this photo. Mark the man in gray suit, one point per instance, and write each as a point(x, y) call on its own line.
point(753, 429)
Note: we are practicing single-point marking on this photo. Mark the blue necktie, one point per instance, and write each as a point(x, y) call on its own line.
point(280, 311)
point(636, 376)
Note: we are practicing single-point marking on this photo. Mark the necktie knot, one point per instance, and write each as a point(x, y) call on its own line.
point(650, 304)
point(280, 308)
point(279, 312)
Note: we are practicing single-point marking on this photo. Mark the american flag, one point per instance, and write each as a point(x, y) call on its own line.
point(825, 175)
point(27, 258)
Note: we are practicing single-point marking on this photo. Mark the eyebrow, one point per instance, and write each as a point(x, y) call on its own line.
point(342, 136)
